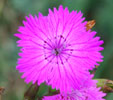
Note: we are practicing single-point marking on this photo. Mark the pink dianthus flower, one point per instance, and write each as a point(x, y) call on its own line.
point(88, 91)
point(57, 49)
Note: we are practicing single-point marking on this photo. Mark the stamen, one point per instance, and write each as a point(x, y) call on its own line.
point(56, 51)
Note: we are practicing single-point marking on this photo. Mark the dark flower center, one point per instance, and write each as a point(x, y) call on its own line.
point(56, 51)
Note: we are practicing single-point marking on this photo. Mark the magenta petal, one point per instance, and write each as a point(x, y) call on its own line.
point(88, 91)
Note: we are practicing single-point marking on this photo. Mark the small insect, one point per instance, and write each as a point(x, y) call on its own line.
point(90, 24)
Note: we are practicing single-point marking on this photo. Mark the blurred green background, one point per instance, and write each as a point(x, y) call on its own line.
point(12, 12)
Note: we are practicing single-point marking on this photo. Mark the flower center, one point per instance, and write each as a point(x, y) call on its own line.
point(58, 48)
point(56, 51)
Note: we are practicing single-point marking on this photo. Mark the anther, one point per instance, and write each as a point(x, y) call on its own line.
point(45, 41)
point(45, 57)
point(61, 36)
point(71, 49)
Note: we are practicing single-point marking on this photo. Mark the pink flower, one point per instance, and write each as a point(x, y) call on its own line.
point(88, 91)
point(57, 49)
